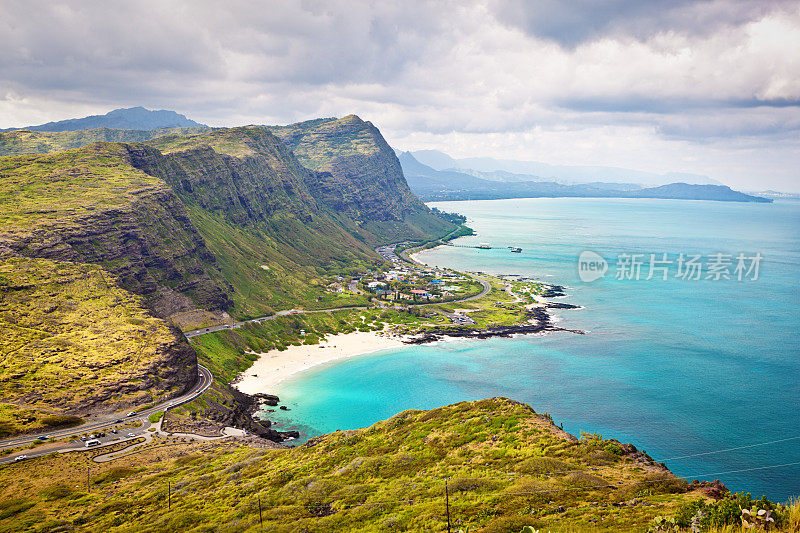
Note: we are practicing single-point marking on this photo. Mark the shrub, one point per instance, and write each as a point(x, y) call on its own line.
point(728, 511)
point(61, 421)
point(55, 492)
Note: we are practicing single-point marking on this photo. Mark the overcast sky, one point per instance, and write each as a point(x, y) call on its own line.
point(708, 87)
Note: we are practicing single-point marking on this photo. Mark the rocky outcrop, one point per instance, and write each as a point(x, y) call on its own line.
point(360, 175)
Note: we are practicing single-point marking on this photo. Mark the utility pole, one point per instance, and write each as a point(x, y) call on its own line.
point(260, 518)
point(447, 503)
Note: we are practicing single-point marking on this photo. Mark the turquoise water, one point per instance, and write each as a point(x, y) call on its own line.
point(677, 367)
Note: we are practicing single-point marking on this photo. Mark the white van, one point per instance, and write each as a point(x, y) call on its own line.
point(92, 442)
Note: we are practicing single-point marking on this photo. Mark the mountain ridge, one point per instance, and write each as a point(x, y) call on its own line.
point(131, 118)
point(565, 174)
point(452, 185)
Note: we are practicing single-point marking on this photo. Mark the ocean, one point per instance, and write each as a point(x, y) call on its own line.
point(679, 367)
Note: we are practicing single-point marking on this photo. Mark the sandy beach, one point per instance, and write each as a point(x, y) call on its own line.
point(275, 366)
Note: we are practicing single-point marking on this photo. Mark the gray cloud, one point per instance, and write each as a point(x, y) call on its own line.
point(568, 82)
point(578, 21)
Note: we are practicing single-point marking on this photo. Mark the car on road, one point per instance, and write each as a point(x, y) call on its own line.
point(92, 442)
point(118, 421)
point(20, 458)
point(131, 434)
point(42, 437)
point(131, 413)
point(83, 439)
point(114, 431)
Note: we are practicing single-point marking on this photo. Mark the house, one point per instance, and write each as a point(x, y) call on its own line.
point(336, 287)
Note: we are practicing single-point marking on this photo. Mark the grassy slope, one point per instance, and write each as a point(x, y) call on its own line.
point(298, 239)
point(54, 188)
point(19, 142)
point(69, 336)
point(90, 205)
point(507, 467)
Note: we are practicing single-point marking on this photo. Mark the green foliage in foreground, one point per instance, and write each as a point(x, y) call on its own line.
point(728, 511)
point(506, 467)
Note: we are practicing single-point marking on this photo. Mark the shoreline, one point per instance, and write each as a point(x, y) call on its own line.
point(275, 366)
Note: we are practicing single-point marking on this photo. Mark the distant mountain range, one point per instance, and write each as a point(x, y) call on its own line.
point(513, 170)
point(431, 184)
point(431, 174)
point(133, 118)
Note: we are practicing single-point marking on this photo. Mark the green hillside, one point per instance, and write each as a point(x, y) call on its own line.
point(505, 467)
point(202, 227)
point(73, 342)
point(20, 142)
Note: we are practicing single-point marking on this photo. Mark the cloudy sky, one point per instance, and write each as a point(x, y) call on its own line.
point(708, 87)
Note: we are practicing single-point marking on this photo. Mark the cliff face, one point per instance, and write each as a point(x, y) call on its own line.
point(93, 207)
point(243, 173)
point(248, 196)
point(359, 175)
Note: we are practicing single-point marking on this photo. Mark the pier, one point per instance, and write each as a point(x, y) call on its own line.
point(483, 246)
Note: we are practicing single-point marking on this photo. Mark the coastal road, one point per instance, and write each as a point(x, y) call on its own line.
point(211, 329)
point(108, 421)
point(485, 284)
point(287, 312)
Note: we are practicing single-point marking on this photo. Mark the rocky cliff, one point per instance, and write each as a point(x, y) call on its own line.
point(91, 206)
point(359, 175)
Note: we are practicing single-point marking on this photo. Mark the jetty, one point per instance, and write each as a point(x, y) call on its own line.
point(482, 246)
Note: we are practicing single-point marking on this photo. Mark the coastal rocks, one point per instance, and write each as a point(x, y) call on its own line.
point(537, 321)
point(558, 305)
point(266, 399)
point(712, 489)
point(552, 291)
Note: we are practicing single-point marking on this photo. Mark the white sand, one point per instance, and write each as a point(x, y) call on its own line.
point(275, 366)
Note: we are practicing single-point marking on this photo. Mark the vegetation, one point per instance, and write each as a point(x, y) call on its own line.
point(20, 142)
point(43, 190)
point(506, 467)
point(69, 338)
point(361, 177)
point(453, 218)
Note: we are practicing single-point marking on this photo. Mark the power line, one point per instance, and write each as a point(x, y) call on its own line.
point(731, 449)
point(743, 470)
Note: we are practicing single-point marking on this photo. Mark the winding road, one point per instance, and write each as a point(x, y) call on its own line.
point(122, 422)
point(106, 422)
